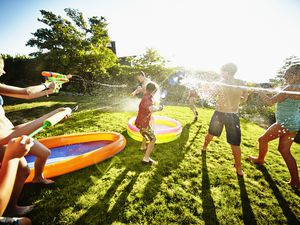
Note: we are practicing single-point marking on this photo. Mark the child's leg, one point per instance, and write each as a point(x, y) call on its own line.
point(284, 147)
point(27, 128)
point(144, 144)
point(207, 140)
point(13, 208)
point(42, 153)
point(149, 150)
point(273, 132)
point(236, 151)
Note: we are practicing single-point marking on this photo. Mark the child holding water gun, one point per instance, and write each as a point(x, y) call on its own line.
point(226, 114)
point(146, 108)
point(9, 131)
point(15, 151)
point(287, 123)
point(143, 81)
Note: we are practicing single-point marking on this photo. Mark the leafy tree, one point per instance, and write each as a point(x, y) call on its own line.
point(153, 64)
point(73, 46)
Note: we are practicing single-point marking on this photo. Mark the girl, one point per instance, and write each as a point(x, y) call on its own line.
point(287, 123)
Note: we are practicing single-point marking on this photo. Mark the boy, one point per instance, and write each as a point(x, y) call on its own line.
point(143, 119)
point(226, 114)
point(143, 81)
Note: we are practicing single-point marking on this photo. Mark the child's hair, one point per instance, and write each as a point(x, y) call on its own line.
point(230, 68)
point(151, 87)
point(293, 70)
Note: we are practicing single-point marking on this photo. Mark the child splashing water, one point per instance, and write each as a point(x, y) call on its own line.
point(143, 121)
point(286, 126)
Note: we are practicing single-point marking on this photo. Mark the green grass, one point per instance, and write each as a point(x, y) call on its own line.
point(185, 187)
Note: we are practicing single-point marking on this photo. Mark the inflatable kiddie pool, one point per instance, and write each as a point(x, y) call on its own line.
point(165, 129)
point(76, 151)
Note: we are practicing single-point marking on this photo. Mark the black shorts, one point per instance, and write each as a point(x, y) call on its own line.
point(231, 121)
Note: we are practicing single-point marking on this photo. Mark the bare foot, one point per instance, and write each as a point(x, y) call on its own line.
point(19, 210)
point(239, 171)
point(255, 160)
point(42, 181)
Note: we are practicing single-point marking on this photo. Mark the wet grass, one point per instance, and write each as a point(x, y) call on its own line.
point(185, 187)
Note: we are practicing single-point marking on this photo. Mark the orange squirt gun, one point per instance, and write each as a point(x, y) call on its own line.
point(58, 78)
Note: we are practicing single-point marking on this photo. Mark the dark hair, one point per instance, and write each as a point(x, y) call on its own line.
point(151, 87)
point(230, 68)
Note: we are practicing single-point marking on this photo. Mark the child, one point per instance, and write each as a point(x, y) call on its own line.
point(143, 81)
point(15, 151)
point(192, 99)
point(226, 114)
point(143, 119)
point(286, 126)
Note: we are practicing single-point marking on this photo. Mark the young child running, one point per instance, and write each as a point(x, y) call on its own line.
point(287, 123)
point(226, 114)
point(146, 108)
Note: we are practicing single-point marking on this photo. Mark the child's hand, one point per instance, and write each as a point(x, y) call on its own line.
point(18, 147)
point(52, 87)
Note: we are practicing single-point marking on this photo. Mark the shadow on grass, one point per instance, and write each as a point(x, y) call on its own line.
point(100, 213)
point(248, 215)
point(290, 216)
point(209, 209)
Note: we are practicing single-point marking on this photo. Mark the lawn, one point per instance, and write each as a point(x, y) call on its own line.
point(185, 187)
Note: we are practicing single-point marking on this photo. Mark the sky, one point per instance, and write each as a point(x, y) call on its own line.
point(256, 35)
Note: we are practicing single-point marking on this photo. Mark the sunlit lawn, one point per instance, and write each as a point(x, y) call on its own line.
point(185, 187)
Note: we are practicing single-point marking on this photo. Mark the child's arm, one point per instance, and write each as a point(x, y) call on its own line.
point(244, 96)
point(28, 92)
point(271, 100)
point(16, 149)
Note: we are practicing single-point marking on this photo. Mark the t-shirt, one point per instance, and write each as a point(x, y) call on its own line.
point(144, 115)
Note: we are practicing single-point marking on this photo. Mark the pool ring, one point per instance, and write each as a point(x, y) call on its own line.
point(76, 151)
point(165, 129)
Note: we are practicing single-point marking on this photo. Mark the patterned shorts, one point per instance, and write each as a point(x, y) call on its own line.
point(9, 221)
point(147, 133)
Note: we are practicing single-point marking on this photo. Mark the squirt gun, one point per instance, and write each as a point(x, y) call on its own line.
point(57, 78)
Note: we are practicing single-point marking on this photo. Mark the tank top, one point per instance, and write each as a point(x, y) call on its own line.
point(288, 115)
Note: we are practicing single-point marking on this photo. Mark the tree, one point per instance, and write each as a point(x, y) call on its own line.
point(74, 46)
point(153, 64)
